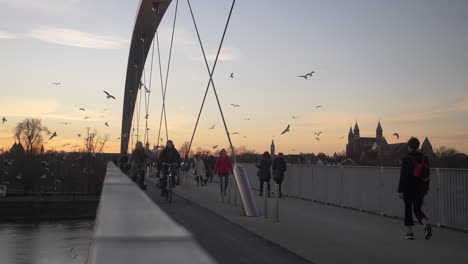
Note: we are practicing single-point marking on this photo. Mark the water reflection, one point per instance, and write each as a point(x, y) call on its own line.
point(45, 242)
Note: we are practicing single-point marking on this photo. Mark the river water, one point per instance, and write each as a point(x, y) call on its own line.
point(57, 242)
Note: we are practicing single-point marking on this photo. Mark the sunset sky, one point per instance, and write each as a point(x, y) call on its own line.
point(402, 62)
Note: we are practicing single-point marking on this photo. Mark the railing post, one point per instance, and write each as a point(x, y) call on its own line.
point(277, 202)
point(342, 187)
point(381, 183)
point(265, 201)
point(441, 210)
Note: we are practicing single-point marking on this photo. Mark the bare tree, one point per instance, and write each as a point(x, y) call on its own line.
point(30, 132)
point(184, 148)
point(444, 152)
point(93, 142)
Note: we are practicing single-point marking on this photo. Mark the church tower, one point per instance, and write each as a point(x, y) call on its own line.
point(272, 148)
point(349, 146)
point(379, 131)
point(356, 131)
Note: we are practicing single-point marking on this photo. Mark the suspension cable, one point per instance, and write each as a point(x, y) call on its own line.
point(167, 75)
point(163, 111)
point(149, 91)
point(210, 72)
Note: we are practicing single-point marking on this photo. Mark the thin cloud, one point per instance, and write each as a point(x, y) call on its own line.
point(76, 38)
point(8, 35)
point(41, 4)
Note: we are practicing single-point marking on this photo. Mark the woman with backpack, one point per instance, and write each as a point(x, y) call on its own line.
point(413, 186)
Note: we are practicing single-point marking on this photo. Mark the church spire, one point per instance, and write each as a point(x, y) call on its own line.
point(356, 131)
point(379, 131)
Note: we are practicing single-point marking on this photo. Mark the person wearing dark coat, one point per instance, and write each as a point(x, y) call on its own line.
point(168, 155)
point(279, 168)
point(413, 186)
point(264, 173)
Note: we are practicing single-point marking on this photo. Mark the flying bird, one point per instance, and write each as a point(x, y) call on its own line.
point(245, 136)
point(53, 135)
point(318, 106)
point(106, 124)
point(235, 105)
point(56, 83)
point(294, 117)
point(64, 145)
point(213, 127)
point(235, 133)
point(105, 109)
point(303, 76)
point(232, 75)
point(215, 146)
point(317, 138)
point(109, 96)
point(86, 117)
point(286, 130)
point(396, 135)
point(318, 134)
point(4, 120)
point(82, 109)
point(310, 73)
point(66, 123)
point(247, 119)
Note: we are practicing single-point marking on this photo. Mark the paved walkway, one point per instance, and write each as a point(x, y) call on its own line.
point(326, 234)
point(225, 241)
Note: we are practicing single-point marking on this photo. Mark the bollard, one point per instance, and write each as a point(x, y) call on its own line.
point(235, 192)
point(276, 202)
point(265, 201)
point(222, 190)
point(229, 187)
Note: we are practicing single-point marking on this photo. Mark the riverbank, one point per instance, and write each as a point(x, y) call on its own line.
point(48, 207)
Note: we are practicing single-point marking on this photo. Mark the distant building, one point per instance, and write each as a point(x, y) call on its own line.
point(376, 150)
point(17, 148)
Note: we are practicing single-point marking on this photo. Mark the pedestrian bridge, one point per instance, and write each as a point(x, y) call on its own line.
point(326, 209)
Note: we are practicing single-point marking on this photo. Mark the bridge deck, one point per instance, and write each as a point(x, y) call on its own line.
point(327, 234)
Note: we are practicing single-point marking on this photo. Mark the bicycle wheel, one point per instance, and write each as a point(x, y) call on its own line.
point(167, 186)
point(169, 191)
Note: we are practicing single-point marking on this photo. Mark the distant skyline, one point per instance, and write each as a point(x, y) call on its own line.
point(404, 63)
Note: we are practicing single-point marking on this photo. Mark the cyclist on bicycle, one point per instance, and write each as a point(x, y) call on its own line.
point(138, 161)
point(168, 155)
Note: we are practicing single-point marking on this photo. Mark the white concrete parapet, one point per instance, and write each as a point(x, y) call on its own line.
point(130, 228)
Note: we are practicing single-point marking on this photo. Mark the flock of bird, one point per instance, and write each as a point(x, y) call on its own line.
point(54, 134)
point(110, 96)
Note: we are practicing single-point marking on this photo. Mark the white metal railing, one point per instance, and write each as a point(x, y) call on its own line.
point(374, 189)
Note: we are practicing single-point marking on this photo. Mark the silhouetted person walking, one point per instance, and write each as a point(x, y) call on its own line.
point(279, 168)
point(264, 174)
point(200, 172)
point(413, 186)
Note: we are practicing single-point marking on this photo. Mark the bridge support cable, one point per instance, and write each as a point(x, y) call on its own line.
point(210, 82)
point(147, 88)
point(163, 109)
point(242, 181)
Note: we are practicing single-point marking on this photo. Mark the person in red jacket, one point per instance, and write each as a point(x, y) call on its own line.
point(223, 168)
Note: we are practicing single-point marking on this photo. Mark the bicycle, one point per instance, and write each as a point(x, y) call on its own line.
point(140, 180)
point(169, 184)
